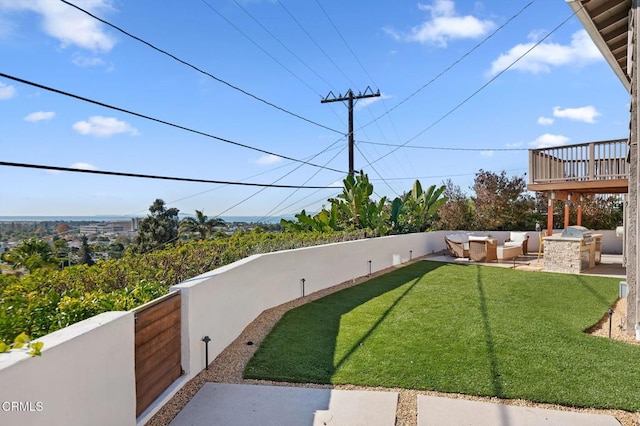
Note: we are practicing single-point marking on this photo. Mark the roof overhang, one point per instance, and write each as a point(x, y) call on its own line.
point(607, 23)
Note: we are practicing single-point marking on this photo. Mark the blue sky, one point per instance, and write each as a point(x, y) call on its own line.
point(428, 60)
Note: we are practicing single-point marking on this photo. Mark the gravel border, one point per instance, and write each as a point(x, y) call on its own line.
point(229, 365)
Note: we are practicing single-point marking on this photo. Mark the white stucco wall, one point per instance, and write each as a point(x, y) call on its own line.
point(86, 373)
point(85, 376)
point(221, 303)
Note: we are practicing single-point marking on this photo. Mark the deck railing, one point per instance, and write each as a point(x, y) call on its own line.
point(582, 162)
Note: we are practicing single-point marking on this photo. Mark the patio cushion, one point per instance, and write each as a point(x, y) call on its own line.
point(518, 236)
point(458, 238)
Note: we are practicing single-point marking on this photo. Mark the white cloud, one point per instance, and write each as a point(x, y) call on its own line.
point(586, 114)
point(548, 140)
point(87, 61)
point(267, 159)
point(83, 166)
point(104, 127)
point(444, 25)
point(545, 56)
point(514, 145)
point(34, 117)
point(68, 24)
point(545, 121)
point(6, 91)
point(486, 154)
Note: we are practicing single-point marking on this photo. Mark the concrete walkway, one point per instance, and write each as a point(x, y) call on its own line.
point(222, 404)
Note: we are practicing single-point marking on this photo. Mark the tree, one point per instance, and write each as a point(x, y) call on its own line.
point(501, 203)
point(456, 213)
point(157, 229)
point(31, 254)
point(115, 250)
point(62, 228)
point(85, 253)
point(417, 210)
point(201, 224)
point(354, 206)
point(61, 250)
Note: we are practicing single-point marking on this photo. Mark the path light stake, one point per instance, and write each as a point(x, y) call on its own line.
point(302, 283)
point(410, 254)
point(206, 341)
point(610, 312)
point(369, 268)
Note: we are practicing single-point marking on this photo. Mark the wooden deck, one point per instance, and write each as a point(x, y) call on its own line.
point(589, 168)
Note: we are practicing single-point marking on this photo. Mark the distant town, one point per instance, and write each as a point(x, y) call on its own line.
point(108, 238)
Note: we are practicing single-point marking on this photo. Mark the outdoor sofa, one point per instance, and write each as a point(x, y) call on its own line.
point(476, 248)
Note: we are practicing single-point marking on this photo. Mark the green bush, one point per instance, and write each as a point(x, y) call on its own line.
point(48, 300)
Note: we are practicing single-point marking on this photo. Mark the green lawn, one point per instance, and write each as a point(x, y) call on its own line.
point(460, 328)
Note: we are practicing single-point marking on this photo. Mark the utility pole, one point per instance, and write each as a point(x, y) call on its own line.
point(349, 97)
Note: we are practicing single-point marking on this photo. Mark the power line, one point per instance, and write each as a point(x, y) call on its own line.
point(376, 172)
point(245, 179)
point(442, 176)
point(484, 86)
point(450, 67)
point(200, 70)
point(350, 97)
point(442, 148)
point(342, 38)
point(393, 126)
point(157, 120)
point(293, 193)
point(315, 42)
point(261, 48)
point(138, 175)
point(281, 43)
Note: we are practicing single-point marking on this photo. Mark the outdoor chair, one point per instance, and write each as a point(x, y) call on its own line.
point(518, 239)
point(483, 250)
point(457, 245)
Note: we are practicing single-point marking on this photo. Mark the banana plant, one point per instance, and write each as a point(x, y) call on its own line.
point(416, 211)
point(353, 204)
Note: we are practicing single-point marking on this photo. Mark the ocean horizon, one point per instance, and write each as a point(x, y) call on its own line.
point(108, 218)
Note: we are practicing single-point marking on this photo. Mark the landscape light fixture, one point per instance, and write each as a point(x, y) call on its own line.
point(206, 340)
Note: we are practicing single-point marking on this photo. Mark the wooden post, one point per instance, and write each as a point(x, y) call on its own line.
point(550, 216)
point(579, 210)
point(566, 214)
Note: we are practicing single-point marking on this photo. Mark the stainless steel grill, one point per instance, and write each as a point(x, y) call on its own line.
point(578, 232)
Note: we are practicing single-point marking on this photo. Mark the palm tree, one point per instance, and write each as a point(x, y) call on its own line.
point(200, 224)
point(31, 254)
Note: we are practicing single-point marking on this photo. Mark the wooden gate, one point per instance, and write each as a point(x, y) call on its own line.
point(157, 343)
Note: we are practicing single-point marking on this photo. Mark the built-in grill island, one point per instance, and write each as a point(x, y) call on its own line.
point(575, 250)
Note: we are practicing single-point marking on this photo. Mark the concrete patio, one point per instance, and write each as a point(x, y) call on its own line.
point(611, 265)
